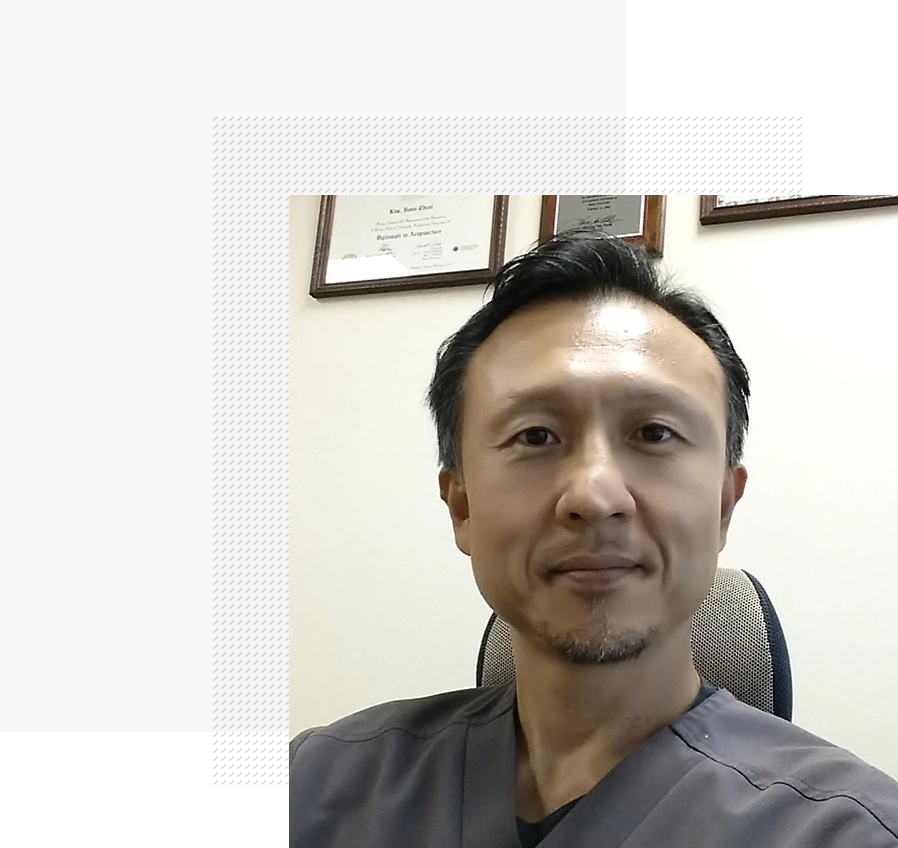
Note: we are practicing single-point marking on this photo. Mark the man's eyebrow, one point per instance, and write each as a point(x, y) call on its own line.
point(519, 401)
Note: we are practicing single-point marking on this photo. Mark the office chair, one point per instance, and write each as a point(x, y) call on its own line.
point(737, 642)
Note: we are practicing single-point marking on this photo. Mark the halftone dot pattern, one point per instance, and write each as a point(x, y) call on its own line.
point(257, 164)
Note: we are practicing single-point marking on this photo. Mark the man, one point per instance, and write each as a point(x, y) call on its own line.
point(591, 421)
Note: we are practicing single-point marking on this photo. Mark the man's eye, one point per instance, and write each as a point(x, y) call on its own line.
point(538, 437)
point(653, 434)
point(534, 437)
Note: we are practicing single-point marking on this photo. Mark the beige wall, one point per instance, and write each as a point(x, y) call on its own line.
point(383, 606)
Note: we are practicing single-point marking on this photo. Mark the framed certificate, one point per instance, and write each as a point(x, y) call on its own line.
point(375, 243)
point(634, 217)
point(721, 208)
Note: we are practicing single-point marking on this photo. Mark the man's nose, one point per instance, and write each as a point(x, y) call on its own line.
point(594, 486)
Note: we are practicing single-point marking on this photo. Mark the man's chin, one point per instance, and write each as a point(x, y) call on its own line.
point(598, 649)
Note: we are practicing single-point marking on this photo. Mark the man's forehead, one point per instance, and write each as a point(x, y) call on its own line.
point(637, 345)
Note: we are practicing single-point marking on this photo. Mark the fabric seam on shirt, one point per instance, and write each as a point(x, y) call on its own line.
point(306, 735)
point(791, 785)
point(467, 724)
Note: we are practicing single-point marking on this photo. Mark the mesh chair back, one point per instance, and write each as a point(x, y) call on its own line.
point(737, 643)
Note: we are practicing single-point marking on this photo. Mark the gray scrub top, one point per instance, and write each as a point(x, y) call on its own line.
point(439, 772)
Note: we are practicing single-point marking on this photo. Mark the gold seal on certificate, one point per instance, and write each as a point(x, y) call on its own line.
point(374, 243)
point(636, 217)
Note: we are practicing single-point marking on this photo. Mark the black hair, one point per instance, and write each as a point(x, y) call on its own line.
point(579, 264)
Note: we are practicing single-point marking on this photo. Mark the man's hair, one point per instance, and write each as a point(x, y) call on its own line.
point(579, 264)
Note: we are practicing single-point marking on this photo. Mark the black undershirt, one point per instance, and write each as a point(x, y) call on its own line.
point(532, 833)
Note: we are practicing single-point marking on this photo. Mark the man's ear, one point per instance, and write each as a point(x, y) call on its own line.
point(733, 487)
point(453, 492)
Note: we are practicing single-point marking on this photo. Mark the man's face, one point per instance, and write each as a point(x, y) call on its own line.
point(593, 430)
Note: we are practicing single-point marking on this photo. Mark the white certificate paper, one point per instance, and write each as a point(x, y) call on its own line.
point(381, 237)
point(616, 214)
point(746, 200)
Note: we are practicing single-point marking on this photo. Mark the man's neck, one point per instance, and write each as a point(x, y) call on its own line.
point(576, 723)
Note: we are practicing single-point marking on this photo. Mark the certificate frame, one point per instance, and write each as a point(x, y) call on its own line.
point(319, 288)
point(713, 213)
point(651, 237)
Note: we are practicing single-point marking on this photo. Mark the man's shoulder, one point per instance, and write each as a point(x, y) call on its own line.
point(768, 751)
point(421, 718)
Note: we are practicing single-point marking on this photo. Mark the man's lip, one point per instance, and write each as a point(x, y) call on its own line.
point(594, 563)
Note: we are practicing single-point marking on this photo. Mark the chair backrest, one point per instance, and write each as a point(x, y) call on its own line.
point(737, 642)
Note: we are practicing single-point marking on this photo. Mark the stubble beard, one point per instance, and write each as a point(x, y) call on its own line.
point(597, 643)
